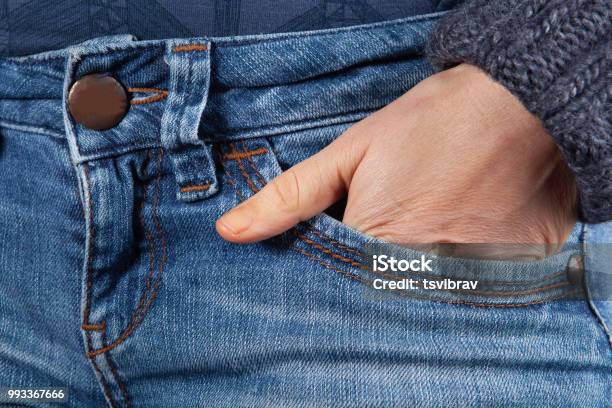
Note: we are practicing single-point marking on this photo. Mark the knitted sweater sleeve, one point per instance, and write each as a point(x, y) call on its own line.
point(554, 56)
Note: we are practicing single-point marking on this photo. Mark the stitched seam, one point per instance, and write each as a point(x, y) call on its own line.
point(243, 171)
point(94, 327)
point(498, 283)
point(244, 154)
point(105, 388)
point(334, 242)
point(151, 250)
point(146, 90)
point(455, 302)
point(331, 253)
point(160, 94)
point(362, 266)
point(326, 265)
point(119, 150)
point(190, 47)
point(429, 276)
point(139, 315)
point(201, 187)
point(232, 182)
point(150, 99)
point(261, 178)
point(89, 284)
point(474, 292)
point(90, 248)
point(525, 282)
point(312, 243)
point(120, 383)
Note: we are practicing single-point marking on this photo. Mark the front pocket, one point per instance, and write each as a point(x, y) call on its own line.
point(250, 164)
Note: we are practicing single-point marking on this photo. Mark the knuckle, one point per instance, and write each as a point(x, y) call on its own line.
point(286, 190)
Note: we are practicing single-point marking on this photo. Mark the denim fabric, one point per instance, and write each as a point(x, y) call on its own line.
point(114, 284)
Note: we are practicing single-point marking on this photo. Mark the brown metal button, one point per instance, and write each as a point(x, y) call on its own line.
point(97, 101)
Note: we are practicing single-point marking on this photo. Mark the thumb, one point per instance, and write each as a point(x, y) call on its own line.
point(296, 195)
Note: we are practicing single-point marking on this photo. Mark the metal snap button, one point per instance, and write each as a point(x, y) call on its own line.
point(97, 101)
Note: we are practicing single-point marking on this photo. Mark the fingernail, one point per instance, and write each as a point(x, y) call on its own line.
point(237, 220)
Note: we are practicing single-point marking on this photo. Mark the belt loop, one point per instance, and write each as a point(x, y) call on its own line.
point(194, 166)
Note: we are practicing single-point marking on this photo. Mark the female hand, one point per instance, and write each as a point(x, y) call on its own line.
point(456, 159)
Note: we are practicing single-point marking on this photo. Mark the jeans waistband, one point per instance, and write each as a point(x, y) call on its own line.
point(218, 89)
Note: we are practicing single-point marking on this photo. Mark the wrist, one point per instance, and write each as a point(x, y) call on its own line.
point(504, 117)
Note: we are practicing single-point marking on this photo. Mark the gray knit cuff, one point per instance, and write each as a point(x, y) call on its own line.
point(555, 56)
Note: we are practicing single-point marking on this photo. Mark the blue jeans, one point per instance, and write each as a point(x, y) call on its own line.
point(114, 284)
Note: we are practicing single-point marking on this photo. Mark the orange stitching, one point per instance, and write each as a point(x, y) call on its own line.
point(139, 315)
point(247, 155)
point(333, 241)
point(244, 154)
point(233, 183)
point(331, 253)
point(475, 292)
point(160, 95)
point(243, 171)
point(329, 266)
point(231, 180)
point(94, 327)
point(358, 278)
point(188, 189)
point(151, 249)
point(113, 367)
point(457, 302)
point(363, 266)
point(261, 178)
point(491, 283)
point(190, 47)
point(144, 90)
point(150, 99)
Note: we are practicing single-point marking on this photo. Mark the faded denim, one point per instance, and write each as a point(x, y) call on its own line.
point(114, 284)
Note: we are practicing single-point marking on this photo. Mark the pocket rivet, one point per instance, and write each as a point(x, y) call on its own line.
point(575, 269)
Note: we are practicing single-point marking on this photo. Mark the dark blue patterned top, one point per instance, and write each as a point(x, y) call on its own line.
point(30, 26)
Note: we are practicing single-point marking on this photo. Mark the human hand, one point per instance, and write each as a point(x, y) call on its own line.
point(456, 159)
